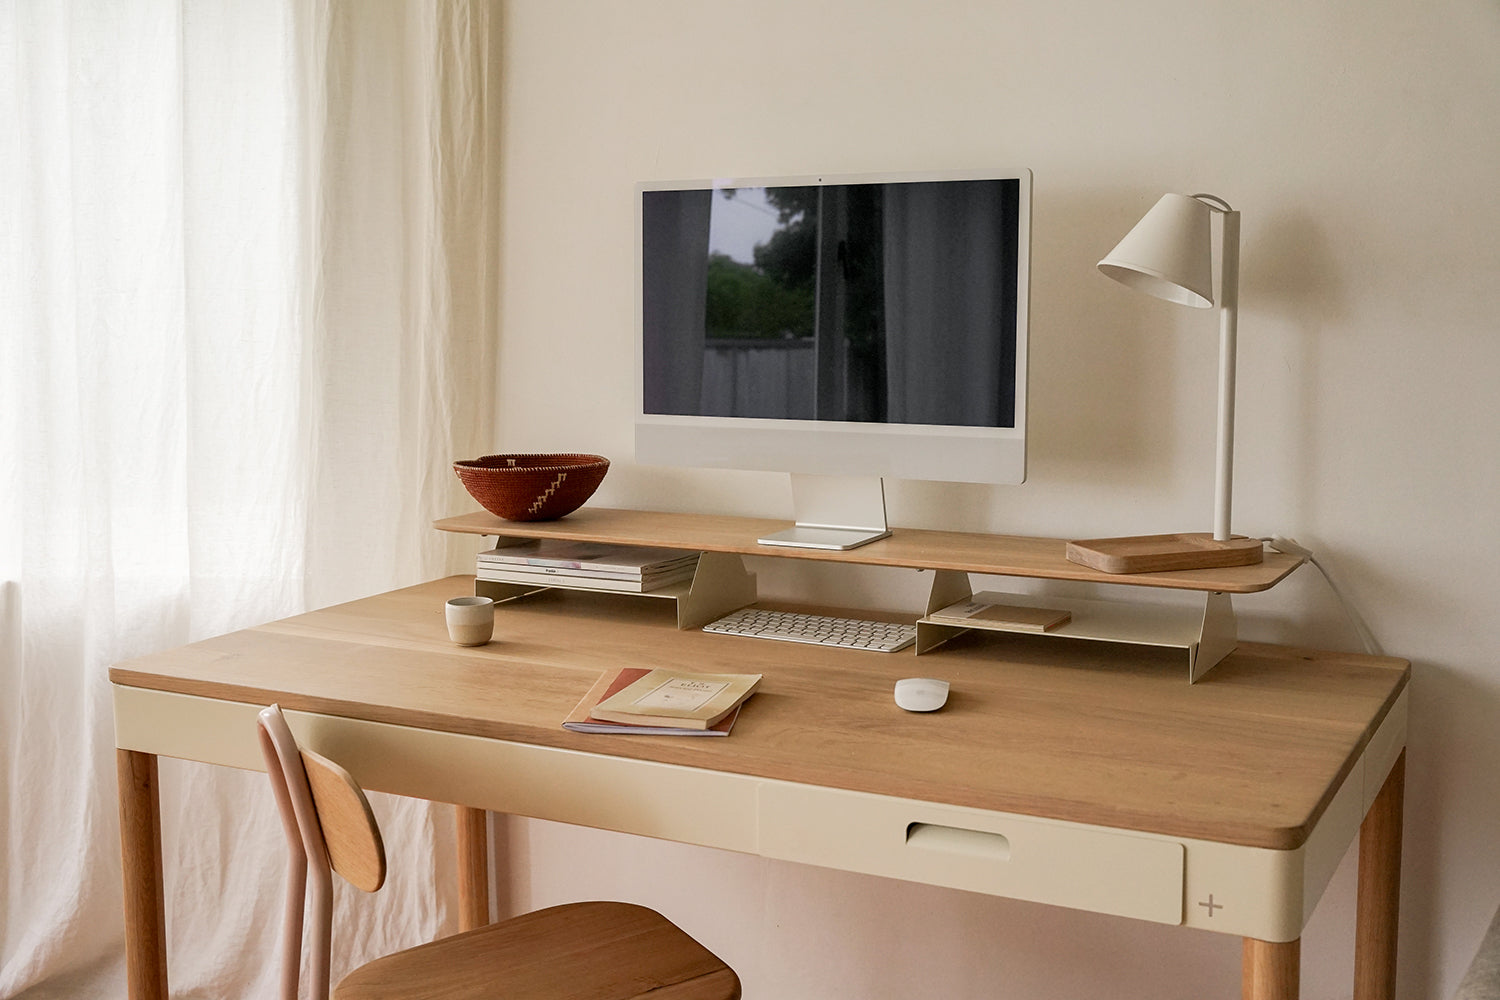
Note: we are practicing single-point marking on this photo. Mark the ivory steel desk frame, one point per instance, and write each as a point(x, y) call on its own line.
point(1071, 773)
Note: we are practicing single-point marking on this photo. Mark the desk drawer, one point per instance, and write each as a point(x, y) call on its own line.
point(1065, 864)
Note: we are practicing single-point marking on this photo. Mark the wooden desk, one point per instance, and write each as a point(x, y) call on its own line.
point(1073, 773)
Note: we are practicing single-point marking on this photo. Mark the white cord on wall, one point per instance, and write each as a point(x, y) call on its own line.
point(1290, 547)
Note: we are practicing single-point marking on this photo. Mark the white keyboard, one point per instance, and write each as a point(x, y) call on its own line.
point(822, 630)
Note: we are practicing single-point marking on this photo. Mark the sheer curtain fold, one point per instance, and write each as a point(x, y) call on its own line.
point(937, 240)
point(245, 327)
point(676, 234)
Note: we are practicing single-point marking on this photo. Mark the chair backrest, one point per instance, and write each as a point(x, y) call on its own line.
point(329, 827)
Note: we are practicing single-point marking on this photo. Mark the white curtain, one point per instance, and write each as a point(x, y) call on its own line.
point(246, 324)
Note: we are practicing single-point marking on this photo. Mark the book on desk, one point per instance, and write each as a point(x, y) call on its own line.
point(626, 685)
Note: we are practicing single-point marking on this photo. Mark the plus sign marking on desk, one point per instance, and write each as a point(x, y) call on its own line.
point(1211, 906)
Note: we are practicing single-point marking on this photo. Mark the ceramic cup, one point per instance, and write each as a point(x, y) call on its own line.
point(471, 620)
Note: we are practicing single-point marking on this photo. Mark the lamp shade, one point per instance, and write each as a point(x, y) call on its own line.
point(1168, 253)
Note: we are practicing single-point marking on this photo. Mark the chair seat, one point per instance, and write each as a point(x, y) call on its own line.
point(577, 951)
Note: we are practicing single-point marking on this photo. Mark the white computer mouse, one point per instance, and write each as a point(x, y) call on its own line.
point(921, 694)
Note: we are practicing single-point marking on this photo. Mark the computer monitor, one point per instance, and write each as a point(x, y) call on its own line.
point(838, 328)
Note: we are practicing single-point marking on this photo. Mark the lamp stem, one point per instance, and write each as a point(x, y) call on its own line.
point(1229, 295)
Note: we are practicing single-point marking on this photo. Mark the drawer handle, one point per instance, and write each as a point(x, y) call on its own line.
point(957, 840)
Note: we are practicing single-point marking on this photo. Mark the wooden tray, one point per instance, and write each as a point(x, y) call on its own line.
point(1157, 553)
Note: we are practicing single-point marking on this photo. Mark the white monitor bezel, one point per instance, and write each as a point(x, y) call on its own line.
point(929, 452)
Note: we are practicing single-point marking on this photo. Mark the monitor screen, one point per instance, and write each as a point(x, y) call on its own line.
point(853, 326)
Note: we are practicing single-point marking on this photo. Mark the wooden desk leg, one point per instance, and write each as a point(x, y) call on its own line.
point(1378, 902)
point(1271, 971)
point(140, 856)
point(473, 868)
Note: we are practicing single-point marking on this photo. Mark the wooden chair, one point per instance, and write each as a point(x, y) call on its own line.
point(578, 951)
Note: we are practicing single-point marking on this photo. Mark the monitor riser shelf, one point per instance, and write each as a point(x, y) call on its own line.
point(1204, 633)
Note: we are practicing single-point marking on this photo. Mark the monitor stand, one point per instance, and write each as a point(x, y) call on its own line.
point(834, 512)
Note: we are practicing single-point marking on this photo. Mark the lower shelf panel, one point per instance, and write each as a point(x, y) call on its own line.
point(1205, 634)
point(721, 585)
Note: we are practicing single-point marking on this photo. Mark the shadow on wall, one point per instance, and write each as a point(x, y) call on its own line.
point(1289, 273)
point(1101, 358)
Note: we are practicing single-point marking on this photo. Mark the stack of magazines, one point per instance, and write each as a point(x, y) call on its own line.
point(553, 563)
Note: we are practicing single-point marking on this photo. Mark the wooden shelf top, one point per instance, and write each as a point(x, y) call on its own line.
point(1085, 732)
point(999, 555)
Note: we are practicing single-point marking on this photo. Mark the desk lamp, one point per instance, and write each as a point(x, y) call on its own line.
point(1169, 255)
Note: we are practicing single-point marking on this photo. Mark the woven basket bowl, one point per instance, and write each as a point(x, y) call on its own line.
point(532, 487)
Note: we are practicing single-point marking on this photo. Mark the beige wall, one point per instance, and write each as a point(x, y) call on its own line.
point(1362, 143)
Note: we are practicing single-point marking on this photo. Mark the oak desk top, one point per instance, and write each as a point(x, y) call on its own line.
point(1086, 732)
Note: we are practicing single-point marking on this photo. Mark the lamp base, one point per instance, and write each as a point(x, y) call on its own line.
point(1158, 553)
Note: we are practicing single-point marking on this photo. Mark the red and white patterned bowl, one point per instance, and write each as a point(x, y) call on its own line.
point(532, 487)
